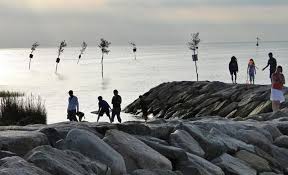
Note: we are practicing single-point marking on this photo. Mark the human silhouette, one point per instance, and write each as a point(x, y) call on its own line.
point(104, 108)
point(277, 96)
point(144, 108)
point(272, 62)
point(73, 107)
point(233, 68)
point(116, 102)
point(251, 71)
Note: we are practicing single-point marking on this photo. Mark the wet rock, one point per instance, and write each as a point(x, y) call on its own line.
point(137, 155)
point(282, 141)
point(18, 166)
point(96, 149)
point(155, 172)
point(254, 161)
point(52, 135)
point(56, 161)
point(184, 140)
point(232, 165)
point(20, 142)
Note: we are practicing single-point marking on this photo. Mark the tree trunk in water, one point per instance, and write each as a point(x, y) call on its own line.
point(102, 70)
point(196, 70)
point(29, 63)
point(135, 55)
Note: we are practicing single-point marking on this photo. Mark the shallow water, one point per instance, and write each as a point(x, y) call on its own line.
point(154, 65)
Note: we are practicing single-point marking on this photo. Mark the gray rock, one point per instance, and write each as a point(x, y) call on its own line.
point(172, 153)
point(197, 165)
point(228, 109)
point(94, 148)
point(255, 138)
point(18, 166)
point(254, 161)
point(262, 108)
point(232, 165)
point(232, 145)
point(137, 155)
point(21, 142)
point(273, 130)
point(184, 140)
point(282, 141)
point(154, 172)
point(4, 154)
point(269, 173)
point(281, 155)
point(56, 161)
point(52, 135)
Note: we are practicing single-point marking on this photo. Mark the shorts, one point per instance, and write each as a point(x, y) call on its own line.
point(233, 72)
point(104, 111)
point(277, 95)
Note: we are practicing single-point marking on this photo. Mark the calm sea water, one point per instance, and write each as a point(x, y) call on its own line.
point(154, 65)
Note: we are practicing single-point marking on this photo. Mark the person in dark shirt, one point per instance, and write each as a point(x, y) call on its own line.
point(144, 108)
point(233, 68)
point(116, 102)
point(272, 62)
point(103, 108)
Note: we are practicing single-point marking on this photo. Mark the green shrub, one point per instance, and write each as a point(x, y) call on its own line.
point(16, 110)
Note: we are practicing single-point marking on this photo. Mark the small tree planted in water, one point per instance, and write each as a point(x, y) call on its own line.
point(193, 45)
point(33, 48)
point(134, 49)
point(60, 51)
point(104, 45)
point(83, 48)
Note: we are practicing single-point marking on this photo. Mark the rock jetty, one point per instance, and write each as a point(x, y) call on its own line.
point(206, 146)
point(252, 144)
point(195, 99)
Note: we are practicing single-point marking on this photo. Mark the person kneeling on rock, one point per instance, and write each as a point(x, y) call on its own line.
point(103, 108)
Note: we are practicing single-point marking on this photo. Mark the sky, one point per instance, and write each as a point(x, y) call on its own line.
point(145, 22)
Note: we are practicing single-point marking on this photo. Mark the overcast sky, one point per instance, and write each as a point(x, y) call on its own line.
point(143, 21)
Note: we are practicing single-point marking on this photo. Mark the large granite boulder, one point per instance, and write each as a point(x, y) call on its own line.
point(232, 165)
point(21, 142)
point(93, 147)
point(18, 166)
point(184, 140)
point(137, 155)
point(254, 161)
point(197, 165)
point(56, 161)
point(282, 141)
point(154, 172)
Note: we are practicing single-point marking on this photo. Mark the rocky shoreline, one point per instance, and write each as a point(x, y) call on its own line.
point(251, 145)
point(195, 99)
point(206, 146)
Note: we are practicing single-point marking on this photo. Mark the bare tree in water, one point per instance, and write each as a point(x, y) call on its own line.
point(257, 41)
point(33, 48)
point(134, 48)
point(193, 45)
point(104, 45)
point(83, 48)
point(60, 51)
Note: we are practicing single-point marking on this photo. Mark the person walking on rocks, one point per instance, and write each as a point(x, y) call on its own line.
point(233, 68)
point(251, 71)
point(73, 107)
point(104, 108)
point(144, 108)
point(116, 102)
point(277, 95)
point(272, 62)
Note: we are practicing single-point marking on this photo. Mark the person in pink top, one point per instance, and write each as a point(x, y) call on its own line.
point(277, 95)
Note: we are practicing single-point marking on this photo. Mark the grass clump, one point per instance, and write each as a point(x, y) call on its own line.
point(15, 110)
point(11, 94)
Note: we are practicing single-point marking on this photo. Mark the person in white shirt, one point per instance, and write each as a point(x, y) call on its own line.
point(73, 107)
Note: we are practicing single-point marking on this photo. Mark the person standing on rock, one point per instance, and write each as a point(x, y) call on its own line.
point(73, 107)
point(103, 108)
point(144, 108)
point(233, 68)
point(116, 102)
point(272, 62)
point(277, 95)
point(251, 71)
